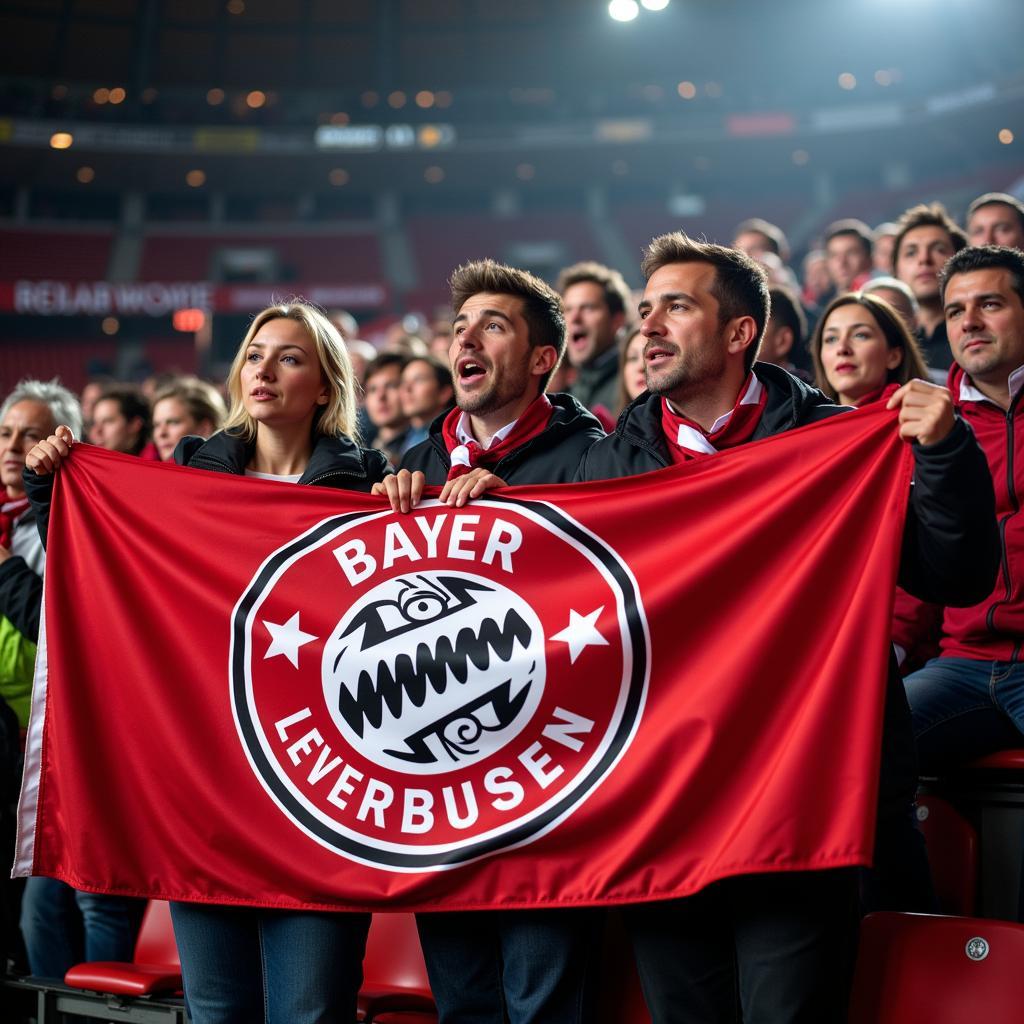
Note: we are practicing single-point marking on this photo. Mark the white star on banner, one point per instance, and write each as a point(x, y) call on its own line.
point(286, 639)
point(580, 633)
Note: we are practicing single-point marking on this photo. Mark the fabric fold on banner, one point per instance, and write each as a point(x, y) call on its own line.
point(259, 694)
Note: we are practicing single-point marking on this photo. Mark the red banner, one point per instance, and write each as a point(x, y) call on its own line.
point(255, 693)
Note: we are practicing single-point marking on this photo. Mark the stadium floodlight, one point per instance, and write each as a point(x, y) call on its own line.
point(654, 5)
point(623, 10)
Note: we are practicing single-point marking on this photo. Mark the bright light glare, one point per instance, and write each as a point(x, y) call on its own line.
point(655, 5)
point(623, 10)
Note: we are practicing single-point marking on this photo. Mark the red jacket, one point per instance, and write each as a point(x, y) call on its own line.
point(993, 630)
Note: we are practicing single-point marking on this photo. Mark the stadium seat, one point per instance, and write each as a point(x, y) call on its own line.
point(396, 990)
point(989, 792)
point(394, 974)
point(155, 969)
point(925, 969)
point(952, 852)
point(1001, 760)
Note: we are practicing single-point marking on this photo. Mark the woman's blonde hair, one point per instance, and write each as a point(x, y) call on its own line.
point(338, 416)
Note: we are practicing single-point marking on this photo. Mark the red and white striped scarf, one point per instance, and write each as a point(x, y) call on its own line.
point(466, 453)
point(689, 440)
point(11, 511)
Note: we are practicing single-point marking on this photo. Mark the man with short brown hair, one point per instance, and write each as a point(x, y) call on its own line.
point(996, 218)
point(596, 300)
point(426, 392)
point(927, 238)
point(121, 420)
point(782, 943)
point(508, 336)
point(382, 401)
point(848, 254)
point(969, 701)
point(756, 236)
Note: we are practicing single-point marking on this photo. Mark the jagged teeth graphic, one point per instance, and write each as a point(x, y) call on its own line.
point(401, 677)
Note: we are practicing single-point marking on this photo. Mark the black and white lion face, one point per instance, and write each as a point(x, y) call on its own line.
point(434, 670)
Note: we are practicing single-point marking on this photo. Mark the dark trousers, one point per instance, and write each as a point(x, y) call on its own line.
point(535, 966)
point(780, 948)
point(762, 949)
point(899, 878)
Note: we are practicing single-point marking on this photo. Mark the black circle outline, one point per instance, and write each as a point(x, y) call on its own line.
point(390, 858)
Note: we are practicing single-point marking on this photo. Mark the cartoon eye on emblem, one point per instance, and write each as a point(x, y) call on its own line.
point(976, 948)
point(413, 607)
point(424, 605)
point(433, 670)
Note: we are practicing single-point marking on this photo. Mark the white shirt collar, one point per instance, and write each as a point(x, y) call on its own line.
point(969, 393)
point(460, 453)
point(465, 435)
point(696, 440)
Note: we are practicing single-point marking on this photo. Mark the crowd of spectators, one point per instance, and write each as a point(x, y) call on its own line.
point(872, 309)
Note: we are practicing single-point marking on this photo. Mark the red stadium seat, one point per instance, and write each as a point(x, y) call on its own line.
point(924, 969)
point(394, 974)
point(952, 852)
point(990, 793)
point(1001, 760)
point(155, 969)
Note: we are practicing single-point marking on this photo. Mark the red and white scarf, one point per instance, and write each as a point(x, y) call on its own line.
point(466, 452)
point(689, 440)
point(11, 510)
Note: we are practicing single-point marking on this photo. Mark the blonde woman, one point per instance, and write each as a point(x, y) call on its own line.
point(292, 418)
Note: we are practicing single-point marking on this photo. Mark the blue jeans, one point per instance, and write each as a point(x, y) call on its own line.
point(534, 965)
point(63, 927)
point(247, 966)
point(963, 709)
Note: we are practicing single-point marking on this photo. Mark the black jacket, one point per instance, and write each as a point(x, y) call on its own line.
point(950, 551)
point(335, 461)
point(597, 383)
point(950, 555)
point(550, 458)
point(21, 590)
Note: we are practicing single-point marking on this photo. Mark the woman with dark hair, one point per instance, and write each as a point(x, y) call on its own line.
point(292, 418)
point(863, 351)
point(632, 381)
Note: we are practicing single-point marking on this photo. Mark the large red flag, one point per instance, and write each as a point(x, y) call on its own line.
point(255, 693)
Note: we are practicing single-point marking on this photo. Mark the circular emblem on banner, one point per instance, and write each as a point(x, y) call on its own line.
point(418, 691)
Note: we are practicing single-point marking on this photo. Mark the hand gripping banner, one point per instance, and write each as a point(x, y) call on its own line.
point(257, 693)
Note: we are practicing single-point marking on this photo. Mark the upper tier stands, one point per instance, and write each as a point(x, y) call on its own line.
point(74, 360)
point(45, 358)
point(60, 255)
point(640, 222)
point(440, 243)
point(313, 258)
